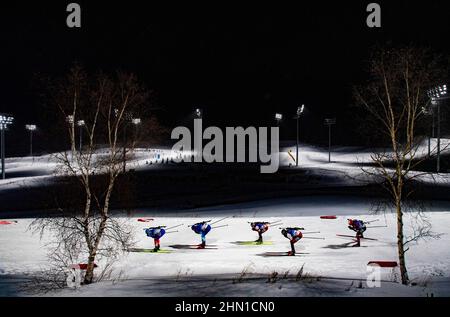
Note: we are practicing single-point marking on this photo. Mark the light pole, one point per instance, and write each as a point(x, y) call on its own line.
point(199, 113)
point(31, 128)
point(278, 118)
point(81, 124)
point(438, 94)
point(5, 120)
point(136, 122)
point(329, 122)
point(297, 117)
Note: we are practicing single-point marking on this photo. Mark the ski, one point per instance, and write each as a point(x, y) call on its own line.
point(353, 237)
point(148, 250)
point(275, 254)
point(253, 243)
point(193, 247)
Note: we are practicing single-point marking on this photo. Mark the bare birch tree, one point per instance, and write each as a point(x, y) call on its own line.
point(394, 98)
point(105, 104)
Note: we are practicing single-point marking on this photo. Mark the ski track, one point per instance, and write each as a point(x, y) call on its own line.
point(22, 252)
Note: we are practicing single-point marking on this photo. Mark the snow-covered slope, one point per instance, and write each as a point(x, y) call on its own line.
point(21, 252)
point(345, 167)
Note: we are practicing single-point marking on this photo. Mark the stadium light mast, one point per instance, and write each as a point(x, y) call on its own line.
point(329, 122)
point(81, 124)
point(278, 118)
point(297, 117)
point(31, 128)
point(5, 121)
point(437, 95)
point(429, 111)
point(199, 113)
point(136, 122)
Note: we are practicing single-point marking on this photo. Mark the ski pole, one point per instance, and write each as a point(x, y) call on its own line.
point(275, 223)
point(377, 227)
point(152, 228)
point(314, 238)
point(311, 232)
point(219, 220)
point(371, 221)
point(219, 226)
point(199, 222)
point(270, 223)
point(174, 227)
point(293, 228)
point(171, 231)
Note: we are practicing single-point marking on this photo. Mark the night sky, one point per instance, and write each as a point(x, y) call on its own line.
point(241, 64)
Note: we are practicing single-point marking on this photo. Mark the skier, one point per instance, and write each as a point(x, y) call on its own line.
point(294, 235)
point(260, 227)
point(359, 227)
point(202, 228)
point(156, 233)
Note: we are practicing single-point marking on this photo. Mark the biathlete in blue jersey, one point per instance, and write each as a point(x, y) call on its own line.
point(202, 228)
point(260, 227)
point(156, 233)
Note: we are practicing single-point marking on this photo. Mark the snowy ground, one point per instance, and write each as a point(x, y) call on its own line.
point(218, 271)
point(345, 167)
point(333, 268)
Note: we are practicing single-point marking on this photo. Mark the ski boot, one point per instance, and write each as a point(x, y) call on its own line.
point(291, 253)
point(201, 246)
point(259, 241)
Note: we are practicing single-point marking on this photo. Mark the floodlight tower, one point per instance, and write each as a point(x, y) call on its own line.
point(136, 122)
point(128, 118)
point(31, 128)
point(199, 113)
point(429, 111)
point(5, 121)
point(297, 117)
point(437, 95)
point(81, 124)
point(278, 118)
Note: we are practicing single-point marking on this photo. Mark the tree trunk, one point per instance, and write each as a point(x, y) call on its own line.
point(400, 245)
point(89, 276)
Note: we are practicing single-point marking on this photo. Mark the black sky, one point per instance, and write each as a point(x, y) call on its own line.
point(240, 63)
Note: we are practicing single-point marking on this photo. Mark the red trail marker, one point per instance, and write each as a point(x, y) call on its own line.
point(145, 219)
point(383, 263)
